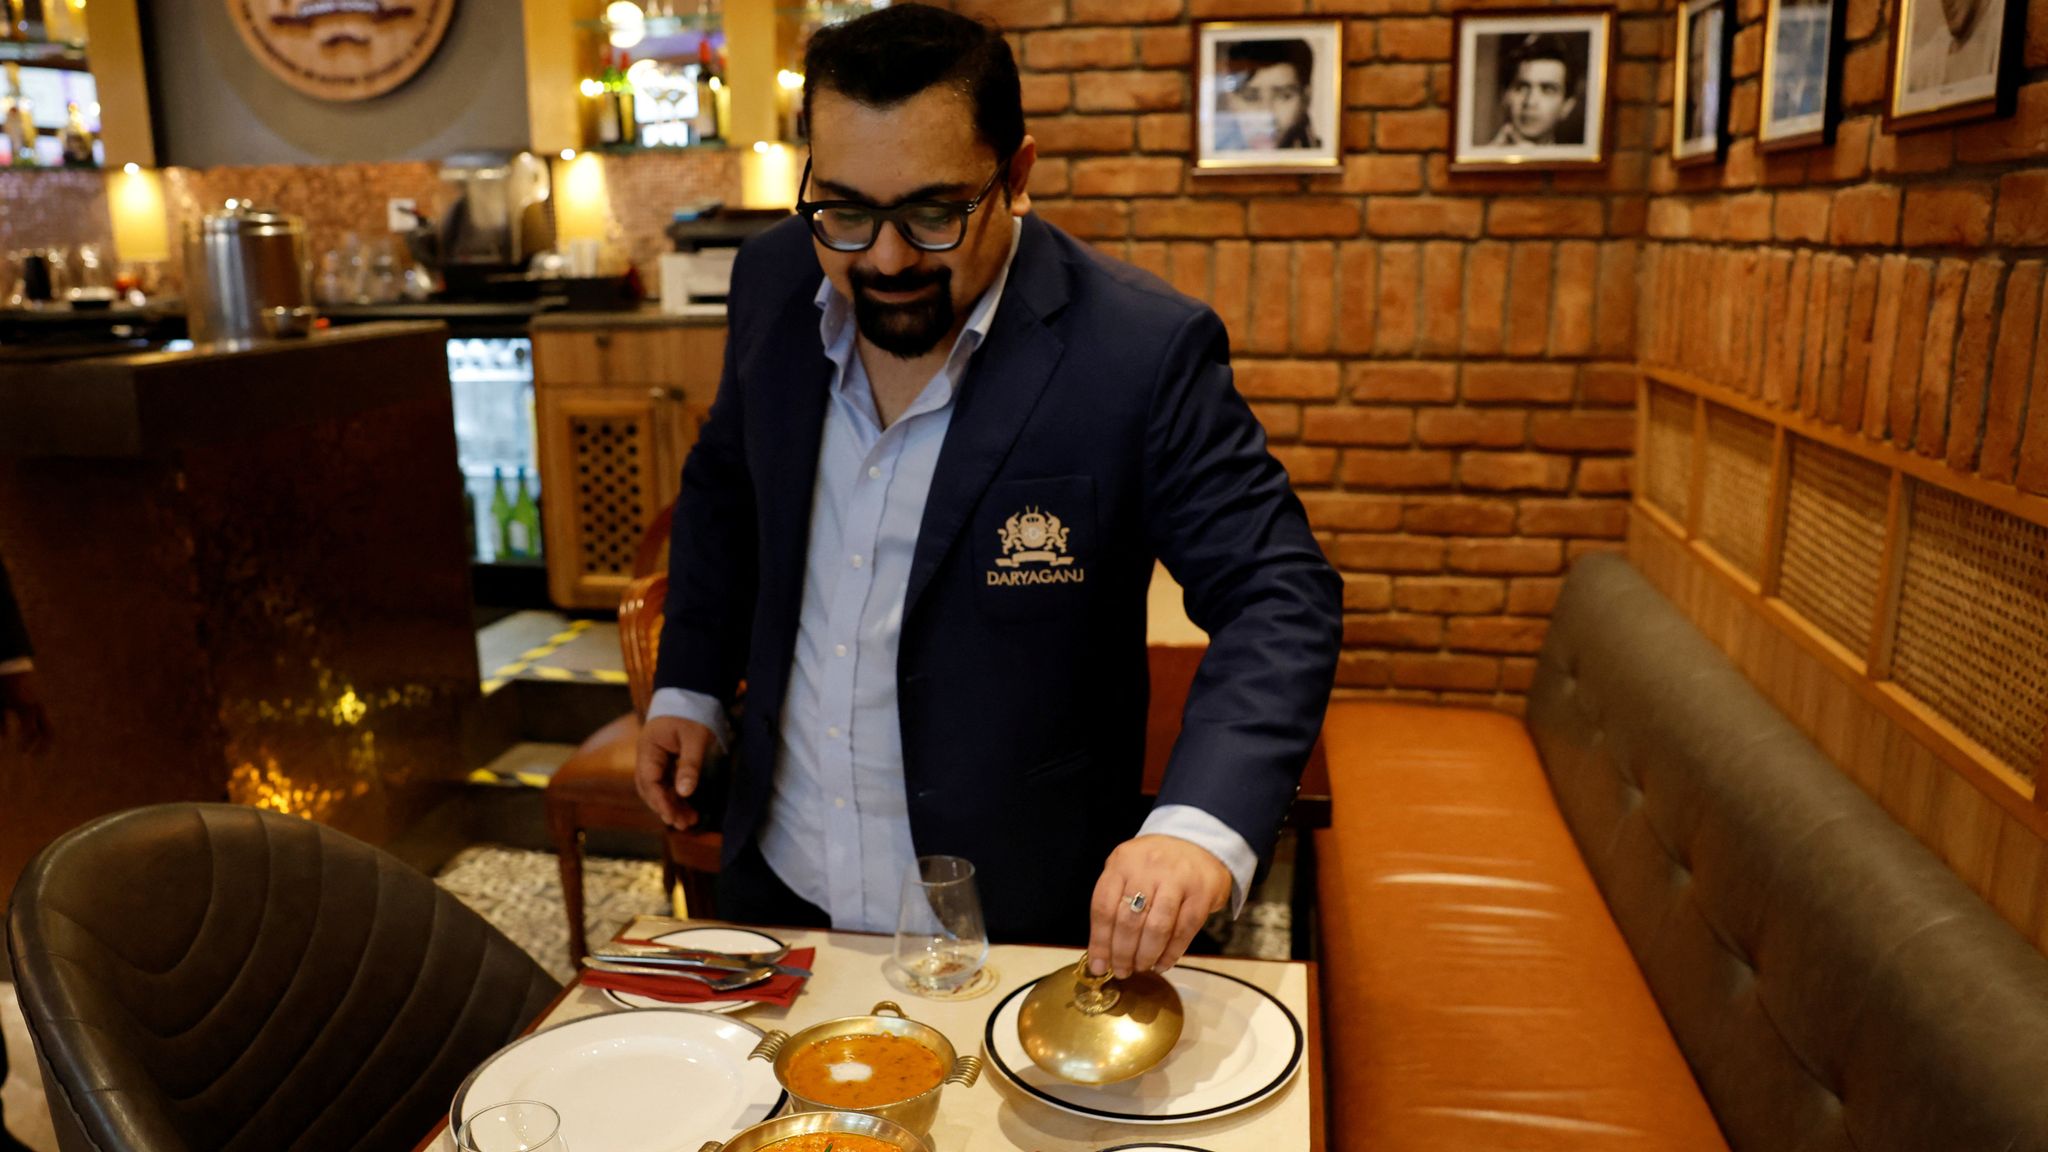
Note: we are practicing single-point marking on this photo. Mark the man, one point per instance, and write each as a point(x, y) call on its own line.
point(1702, 98)
point(1960, 48)
point(23, 721)
point(920, 522)
point(1263, 95)
point(23, 724)
point(1539, 93)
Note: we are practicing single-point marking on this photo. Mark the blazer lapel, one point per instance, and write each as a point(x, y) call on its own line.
point(1009, 373)
point(796, 384)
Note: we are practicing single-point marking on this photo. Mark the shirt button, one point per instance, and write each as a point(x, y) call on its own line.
point(856, 560)
point(874, 473)
point(839, 801)
point(833, 732)
point(839, 649)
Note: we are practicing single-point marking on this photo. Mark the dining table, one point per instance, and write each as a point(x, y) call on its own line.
point(854, 971)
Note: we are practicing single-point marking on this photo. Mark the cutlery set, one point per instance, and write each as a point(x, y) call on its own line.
point(720, 971)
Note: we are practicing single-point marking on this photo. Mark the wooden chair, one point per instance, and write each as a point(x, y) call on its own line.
point(594, 787)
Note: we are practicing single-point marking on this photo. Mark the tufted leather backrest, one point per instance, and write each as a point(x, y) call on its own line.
point(1833, 985)
point(205, 976)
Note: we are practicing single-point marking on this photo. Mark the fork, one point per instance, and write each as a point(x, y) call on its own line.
point(729, 982)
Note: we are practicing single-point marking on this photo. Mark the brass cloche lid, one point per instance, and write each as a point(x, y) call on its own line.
point(1092, 1029)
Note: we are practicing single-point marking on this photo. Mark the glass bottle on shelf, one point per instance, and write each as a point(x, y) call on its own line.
point(78, 138)
point(609, 130)
point(526, 521)
point(705, 128)
point(468, 511)
point(20, 121)
point(501, 512)
point(622, 98)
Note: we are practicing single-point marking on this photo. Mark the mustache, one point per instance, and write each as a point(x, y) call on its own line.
point(909, 280)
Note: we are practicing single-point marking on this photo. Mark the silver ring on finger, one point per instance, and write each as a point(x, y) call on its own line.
point(1135, 902)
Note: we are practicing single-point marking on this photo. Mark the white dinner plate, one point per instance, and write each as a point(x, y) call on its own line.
point(711, 940)
point(650, 1081)
point(1238, 1045)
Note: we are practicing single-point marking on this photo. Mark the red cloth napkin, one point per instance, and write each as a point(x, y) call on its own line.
point(778, 990)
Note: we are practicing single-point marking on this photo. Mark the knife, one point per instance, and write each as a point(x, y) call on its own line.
point(661, 956)
point(717, 979)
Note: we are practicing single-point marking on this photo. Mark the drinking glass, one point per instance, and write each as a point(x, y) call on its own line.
point(940, 941)
point(517, 1126)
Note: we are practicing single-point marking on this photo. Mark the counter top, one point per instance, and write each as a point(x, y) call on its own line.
point(646, 316)
point(431, 310)
point(155, 403)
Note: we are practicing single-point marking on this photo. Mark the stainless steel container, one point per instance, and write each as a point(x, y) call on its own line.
point(248, 276)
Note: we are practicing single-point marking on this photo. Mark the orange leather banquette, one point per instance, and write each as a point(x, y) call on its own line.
point(1476, 994)
point(1653, 916)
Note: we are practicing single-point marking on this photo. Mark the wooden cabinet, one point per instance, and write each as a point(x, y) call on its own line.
point(618, 408)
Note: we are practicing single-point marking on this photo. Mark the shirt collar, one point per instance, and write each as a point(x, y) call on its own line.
point(836, 328)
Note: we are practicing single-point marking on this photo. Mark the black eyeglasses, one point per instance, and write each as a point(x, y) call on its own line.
point(929, 225)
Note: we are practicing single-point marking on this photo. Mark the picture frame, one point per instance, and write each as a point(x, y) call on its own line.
point(1530, 89)
point(1802, 73)
point(1269, 96)
point(1699, 104)
point(1954, 61)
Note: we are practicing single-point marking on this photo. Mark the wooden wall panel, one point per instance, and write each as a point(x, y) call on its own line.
point(1997, 855)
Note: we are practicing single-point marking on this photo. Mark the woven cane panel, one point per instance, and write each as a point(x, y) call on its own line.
point(1973, 623)
point(1735, 497)
point(1834, 541)
point(1667, 474)
point(611, 494)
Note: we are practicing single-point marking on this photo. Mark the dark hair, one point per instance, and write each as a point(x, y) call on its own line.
point(1542, 46)
point(887, 56)
point(1252, 55)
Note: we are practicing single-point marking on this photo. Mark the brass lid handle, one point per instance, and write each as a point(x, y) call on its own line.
point(1092, 998)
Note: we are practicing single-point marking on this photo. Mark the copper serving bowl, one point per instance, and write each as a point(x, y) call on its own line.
point(915, 1113)
point(804, 1123)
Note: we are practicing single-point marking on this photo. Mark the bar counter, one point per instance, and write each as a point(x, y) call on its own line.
point(244, 575)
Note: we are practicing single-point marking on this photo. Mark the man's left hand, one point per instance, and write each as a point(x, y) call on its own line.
point(1182, 885)
point(24, 722)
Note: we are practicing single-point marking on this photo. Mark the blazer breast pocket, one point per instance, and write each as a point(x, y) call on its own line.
point(1033, 543)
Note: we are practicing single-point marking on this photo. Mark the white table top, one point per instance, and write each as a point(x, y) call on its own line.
point(851, 977)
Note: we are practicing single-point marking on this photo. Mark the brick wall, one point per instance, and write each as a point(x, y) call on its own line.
point(1887, 284)
point(1443, 363)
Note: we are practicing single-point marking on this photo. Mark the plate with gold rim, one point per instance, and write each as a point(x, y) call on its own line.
point(1238, 1045)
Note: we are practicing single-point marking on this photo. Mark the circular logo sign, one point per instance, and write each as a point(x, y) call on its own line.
point(342, 49)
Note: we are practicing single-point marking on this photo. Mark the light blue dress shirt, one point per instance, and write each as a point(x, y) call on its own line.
point(838, 827)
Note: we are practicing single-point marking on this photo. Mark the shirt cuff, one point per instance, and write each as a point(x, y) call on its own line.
point(1186, 822)
point(688, 705)
point(17, 666)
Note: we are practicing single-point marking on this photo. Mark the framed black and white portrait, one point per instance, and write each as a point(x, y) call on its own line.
point(1953, 60)
point(1529, 88)
point(1269, 95)
point(1699, 107)
point(1802, 73)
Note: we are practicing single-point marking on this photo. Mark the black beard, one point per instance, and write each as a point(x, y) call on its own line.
point(905, 331)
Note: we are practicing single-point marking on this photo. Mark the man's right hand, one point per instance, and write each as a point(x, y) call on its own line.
point(669, 763)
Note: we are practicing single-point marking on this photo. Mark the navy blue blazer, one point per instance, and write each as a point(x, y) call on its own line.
point(13, 637)
point(1100, 397)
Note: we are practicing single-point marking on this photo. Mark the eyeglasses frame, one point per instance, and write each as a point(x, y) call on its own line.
point(894, 213)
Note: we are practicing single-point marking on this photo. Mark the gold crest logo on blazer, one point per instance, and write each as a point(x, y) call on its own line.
point(1034, 552)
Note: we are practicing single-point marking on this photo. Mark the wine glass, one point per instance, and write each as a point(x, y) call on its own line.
point(516, 1126)
point(941, 942)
